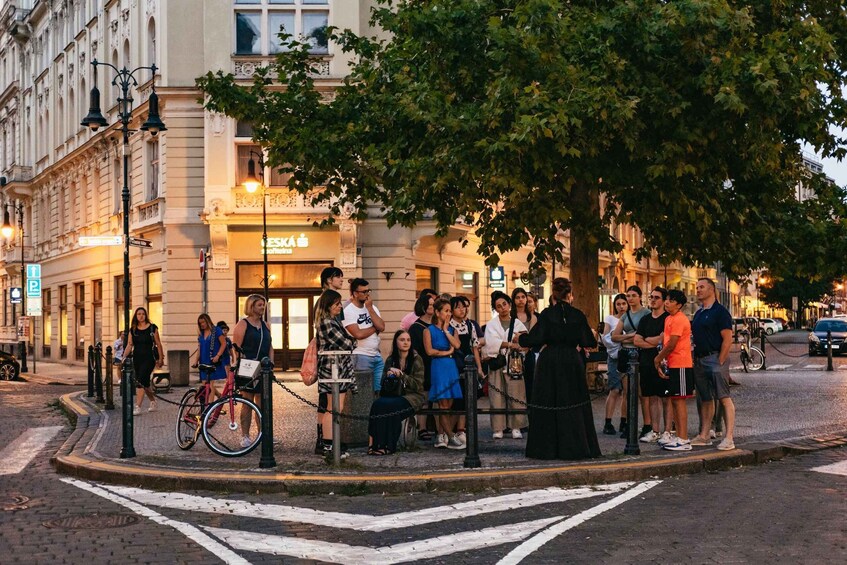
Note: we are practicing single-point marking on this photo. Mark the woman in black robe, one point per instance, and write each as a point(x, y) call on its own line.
point(560, 381)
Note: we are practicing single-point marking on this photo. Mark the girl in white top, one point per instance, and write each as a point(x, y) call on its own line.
point(611, 321)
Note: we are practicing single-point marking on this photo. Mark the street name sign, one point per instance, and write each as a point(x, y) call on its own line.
point(138, 242)
point(98, 240)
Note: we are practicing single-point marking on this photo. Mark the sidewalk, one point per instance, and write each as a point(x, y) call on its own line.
point(770, 425)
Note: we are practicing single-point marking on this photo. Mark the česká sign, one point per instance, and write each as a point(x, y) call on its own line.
point(286, 245)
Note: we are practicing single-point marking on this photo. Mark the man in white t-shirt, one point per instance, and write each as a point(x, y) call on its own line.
point(363, 322)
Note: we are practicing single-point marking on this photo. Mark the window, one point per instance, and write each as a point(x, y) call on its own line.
point(258, 24)
point(47, 323)
point(63, 322)
point(79, 321)
point(467, 285)
point(426, 277)
point(97, 307)
point(153, 169)
point(154, 297)
point(119, 303)
point(270, 177)
point(151, 42)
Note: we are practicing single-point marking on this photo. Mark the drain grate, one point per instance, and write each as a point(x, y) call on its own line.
point(92, 521)
point(17, 502)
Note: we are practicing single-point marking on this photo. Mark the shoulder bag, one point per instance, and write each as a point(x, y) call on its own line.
point(515, 370)
point(625, 355)
point(249, 368)
point(309, 367)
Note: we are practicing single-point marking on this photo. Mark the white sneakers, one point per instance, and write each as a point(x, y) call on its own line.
point(498, 435)
point(246, 441)
point(441, 441)
point(462, 437)
point(666, 438)
point(136, 411)
point(455, 443)
point(649, 437)
point(701, 442)
point(726, 445)
point(516, 434)
point(153, 406)
point(678, 445)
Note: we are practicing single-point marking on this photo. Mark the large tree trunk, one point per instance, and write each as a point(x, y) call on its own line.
point(584, 255)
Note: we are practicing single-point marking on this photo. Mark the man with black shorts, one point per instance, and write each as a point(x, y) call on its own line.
point(712, 329)
point(679, 374)
point(624, 333)
point(647, 339)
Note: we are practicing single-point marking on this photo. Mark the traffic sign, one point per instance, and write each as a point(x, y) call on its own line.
point(138, 242)
point(15, 295)
point(33, 271)
point(33, 288)
point(33, 306)
point(98, 240)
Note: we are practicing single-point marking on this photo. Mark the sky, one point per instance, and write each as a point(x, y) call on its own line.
point(836, 170)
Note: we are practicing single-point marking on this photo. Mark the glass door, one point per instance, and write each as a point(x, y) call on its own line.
point(298, 330)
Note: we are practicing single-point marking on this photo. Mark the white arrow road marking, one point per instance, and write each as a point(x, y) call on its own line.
point(839, 468)
point(534, 543)
point(16, 456)
point(363, 522)
point(192, 533)
point(399, 553)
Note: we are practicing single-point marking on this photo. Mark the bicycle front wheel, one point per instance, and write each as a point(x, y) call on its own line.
point(188, 420)
point(745, 359)
point(757, 359)
point(235, 431)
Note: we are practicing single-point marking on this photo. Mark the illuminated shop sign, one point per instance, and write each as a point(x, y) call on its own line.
point(286, 245)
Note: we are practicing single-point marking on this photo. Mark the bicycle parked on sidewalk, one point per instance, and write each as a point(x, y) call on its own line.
point(752, 358)
point(219, 422)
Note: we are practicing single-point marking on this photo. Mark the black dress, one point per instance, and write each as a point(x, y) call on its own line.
point(560, 381)
point(143, 360)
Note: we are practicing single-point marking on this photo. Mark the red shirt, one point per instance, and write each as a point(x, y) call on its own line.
point(679, 325)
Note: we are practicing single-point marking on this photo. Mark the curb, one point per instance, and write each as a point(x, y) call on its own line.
point(74, 459)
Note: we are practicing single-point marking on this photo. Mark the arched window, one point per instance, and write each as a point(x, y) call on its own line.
point(151, 43)
point(126, 54)
point(71, 117)
point(114, 89)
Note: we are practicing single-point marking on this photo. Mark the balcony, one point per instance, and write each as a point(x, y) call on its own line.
point(245, 66)
point(280, 201)
point(149, 214)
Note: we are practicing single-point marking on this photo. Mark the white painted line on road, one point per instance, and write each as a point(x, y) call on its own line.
point(17, 455)
point(839, 468)
point(813, 367)
point(363, 522)
point(362, 555)
point(777, 367)
point(194, 534)
point(534, 543)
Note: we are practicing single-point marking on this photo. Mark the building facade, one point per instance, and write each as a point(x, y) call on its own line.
point(186, 184)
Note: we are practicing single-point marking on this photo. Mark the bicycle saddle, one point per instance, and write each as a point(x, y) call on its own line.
point(207, 368)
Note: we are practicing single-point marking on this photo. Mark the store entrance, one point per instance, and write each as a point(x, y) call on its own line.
point(293, 291)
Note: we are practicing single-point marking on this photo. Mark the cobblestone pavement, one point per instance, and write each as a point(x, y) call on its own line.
point(781, 512)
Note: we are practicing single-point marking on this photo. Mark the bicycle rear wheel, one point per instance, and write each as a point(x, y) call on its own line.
point(757, 359)
point(188, 420)
point(224, 433)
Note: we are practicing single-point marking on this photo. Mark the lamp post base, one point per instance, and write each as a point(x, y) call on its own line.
point(22, 353)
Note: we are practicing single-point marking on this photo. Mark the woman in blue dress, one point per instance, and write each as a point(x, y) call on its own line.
point(211, 347)
point(440, 342)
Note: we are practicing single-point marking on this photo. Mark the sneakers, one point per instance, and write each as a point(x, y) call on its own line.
point(701, 442)
point(455, 443)
point(649, 437)
point(609, 429)
point(498, 435)
point(319, 447)
point(441, 441)
point(153, 406)
point(246, 441)
point(136, 411)
point(726, 445)
point(516, 434)
point(679, 445)
point(712, 434)
point(666, 438)
point(462, 437)
point(624, 429)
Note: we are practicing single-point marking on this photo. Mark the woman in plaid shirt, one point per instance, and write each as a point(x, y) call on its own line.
point(332, 337)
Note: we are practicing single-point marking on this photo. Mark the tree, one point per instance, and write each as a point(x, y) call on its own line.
point(780, 292)
point(529, 117)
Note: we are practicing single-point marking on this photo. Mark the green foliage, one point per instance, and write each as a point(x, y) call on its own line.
point(686, 116)
point(779, 293)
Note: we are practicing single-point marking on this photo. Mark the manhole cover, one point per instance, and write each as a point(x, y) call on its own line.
point(17, 502)
point(92, 521)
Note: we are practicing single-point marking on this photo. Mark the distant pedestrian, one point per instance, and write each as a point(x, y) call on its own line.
point(362, 320)
point(712, 328)
point(410, 318)
point(654, 403)
point(615, 384)
point(678, 371)
point(253, 340)
point(118, 353)
point(532, 302)
point(440, 342)
point(625, 335)
point(147, 353)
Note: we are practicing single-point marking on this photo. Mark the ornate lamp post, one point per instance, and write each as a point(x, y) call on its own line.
point(8, 231)
point(125, 80)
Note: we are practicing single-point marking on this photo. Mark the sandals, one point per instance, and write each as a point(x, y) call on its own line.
point(377, 452)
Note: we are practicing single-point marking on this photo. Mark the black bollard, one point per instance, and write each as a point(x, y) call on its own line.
point(632, 447)
point(471, 431)
point(98, 372)
point(110, 394)
point(127, 390)
point(829, 351)
point(90, 372)
point(267, 460)
point(764, 357)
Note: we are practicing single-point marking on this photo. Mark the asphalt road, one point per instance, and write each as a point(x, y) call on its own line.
point(784, 511)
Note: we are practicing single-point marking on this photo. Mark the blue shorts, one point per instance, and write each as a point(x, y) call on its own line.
point(614, 377)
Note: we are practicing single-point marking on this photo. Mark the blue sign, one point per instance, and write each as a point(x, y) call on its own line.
point(15, 295)
point(33, 288)
point(33, 271)
point(497, 277)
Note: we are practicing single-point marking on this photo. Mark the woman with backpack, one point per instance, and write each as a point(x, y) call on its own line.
point(144, 343)
point(402, 394)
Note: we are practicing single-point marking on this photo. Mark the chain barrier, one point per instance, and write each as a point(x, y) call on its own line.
point(783, 352)
point(538, 406)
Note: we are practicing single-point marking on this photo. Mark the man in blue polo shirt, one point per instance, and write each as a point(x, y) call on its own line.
point(712, 335)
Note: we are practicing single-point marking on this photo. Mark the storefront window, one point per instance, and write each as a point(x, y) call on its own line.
point(280, 275)
point(79, 320)
point(154, 298)
point(47, 323)
point(426, 277)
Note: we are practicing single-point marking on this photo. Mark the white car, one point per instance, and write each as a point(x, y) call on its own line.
point(770, 325)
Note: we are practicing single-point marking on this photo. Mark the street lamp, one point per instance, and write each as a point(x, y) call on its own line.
point(125, 79)
point(252, 183)
point(8, 231)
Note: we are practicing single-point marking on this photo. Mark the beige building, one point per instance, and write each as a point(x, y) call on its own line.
point(186, 191)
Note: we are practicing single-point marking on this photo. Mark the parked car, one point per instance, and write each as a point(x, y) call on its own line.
point(817, 338)
point(9, 367)
point(783, 323)
point(770, 325)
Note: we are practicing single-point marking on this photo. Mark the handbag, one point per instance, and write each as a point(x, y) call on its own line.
point(249, 368)
point(501, 361)
point(392, 386)
point(309, 367)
